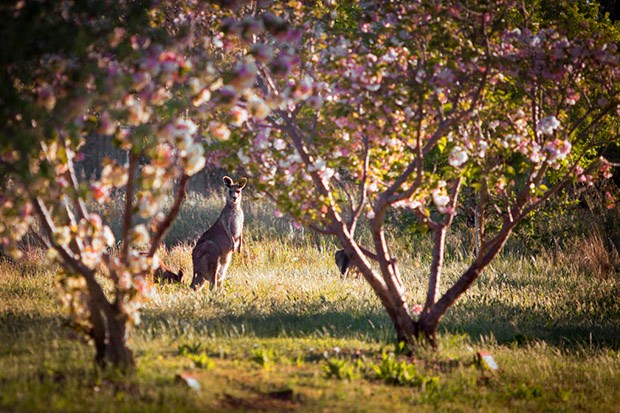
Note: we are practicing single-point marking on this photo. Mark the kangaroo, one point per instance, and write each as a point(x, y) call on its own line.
point(163, 274)
point(343, 262)
point(212, 254)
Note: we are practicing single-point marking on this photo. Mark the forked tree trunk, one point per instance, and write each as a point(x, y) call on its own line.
point(407, 329)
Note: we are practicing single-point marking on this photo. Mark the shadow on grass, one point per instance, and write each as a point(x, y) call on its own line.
point(516, 327)
point(507, 324)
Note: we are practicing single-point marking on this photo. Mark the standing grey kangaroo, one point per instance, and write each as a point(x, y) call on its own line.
point(213, 251)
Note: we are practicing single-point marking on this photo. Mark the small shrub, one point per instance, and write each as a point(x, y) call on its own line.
point(339, 369)
point(201, 361)
point(401, 373)
point(187, 349)
point(263, 357)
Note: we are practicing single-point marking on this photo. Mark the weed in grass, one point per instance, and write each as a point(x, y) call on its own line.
point(263, 357)
point(402, 373)
point(201, 361)
point(340, 369)
point(187, 349)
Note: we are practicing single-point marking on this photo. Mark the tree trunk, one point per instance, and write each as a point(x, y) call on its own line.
point(117, 352)
point(406, 328)
point(109, 334)
point(394, 304)
point(98, 332)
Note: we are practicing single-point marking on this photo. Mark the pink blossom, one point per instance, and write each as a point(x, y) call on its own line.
point(557, 150)
point(219, 130)
point(124, 280)
point(243, 157)
point(258, 108)
point(159, 96)
point(202, 97)
point(279, 144)
point(303, 90)
point(140, 235)
point(169, 62)
point(341, 122)
point(440, 199)
point(46, 96)
point(606, 170)
point(195, 159)
point(99, 191)
point(107, 125)
point(238, 116)
point(142, 285)
point(535, 155)
point(408, 204)
point(416, 309)
point(610, 200)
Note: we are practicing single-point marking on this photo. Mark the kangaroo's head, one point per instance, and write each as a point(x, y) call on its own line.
point(233, 190)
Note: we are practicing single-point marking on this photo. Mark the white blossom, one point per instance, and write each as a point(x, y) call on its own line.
point(457, 157)
point(195, 160)
point(547, 125)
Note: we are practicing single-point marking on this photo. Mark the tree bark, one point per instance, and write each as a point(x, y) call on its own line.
point(109, 333)
point(117, 352)
point(436, 267)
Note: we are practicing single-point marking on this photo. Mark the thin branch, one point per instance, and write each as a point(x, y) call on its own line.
point(357, 212)
point(43, 240)
point(346, 191)
point(67, 258)
point(265, 82)
point(165, 225)
point(79, 245)
point(453, 200)
point(80, 204)
point(128, 213)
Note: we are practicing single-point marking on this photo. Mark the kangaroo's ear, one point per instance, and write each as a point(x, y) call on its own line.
point(228, 181)
point(242, 182)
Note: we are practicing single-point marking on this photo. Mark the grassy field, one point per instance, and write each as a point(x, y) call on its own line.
point(287, 334)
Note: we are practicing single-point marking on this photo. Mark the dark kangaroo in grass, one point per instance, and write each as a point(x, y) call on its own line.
point(164, 274)
point(212, 254)
point(343, 262)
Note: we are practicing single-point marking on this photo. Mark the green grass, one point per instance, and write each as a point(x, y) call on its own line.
point(286, 333)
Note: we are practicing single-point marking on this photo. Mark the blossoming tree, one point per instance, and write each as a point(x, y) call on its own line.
point(142, 74)
point(403, 110)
